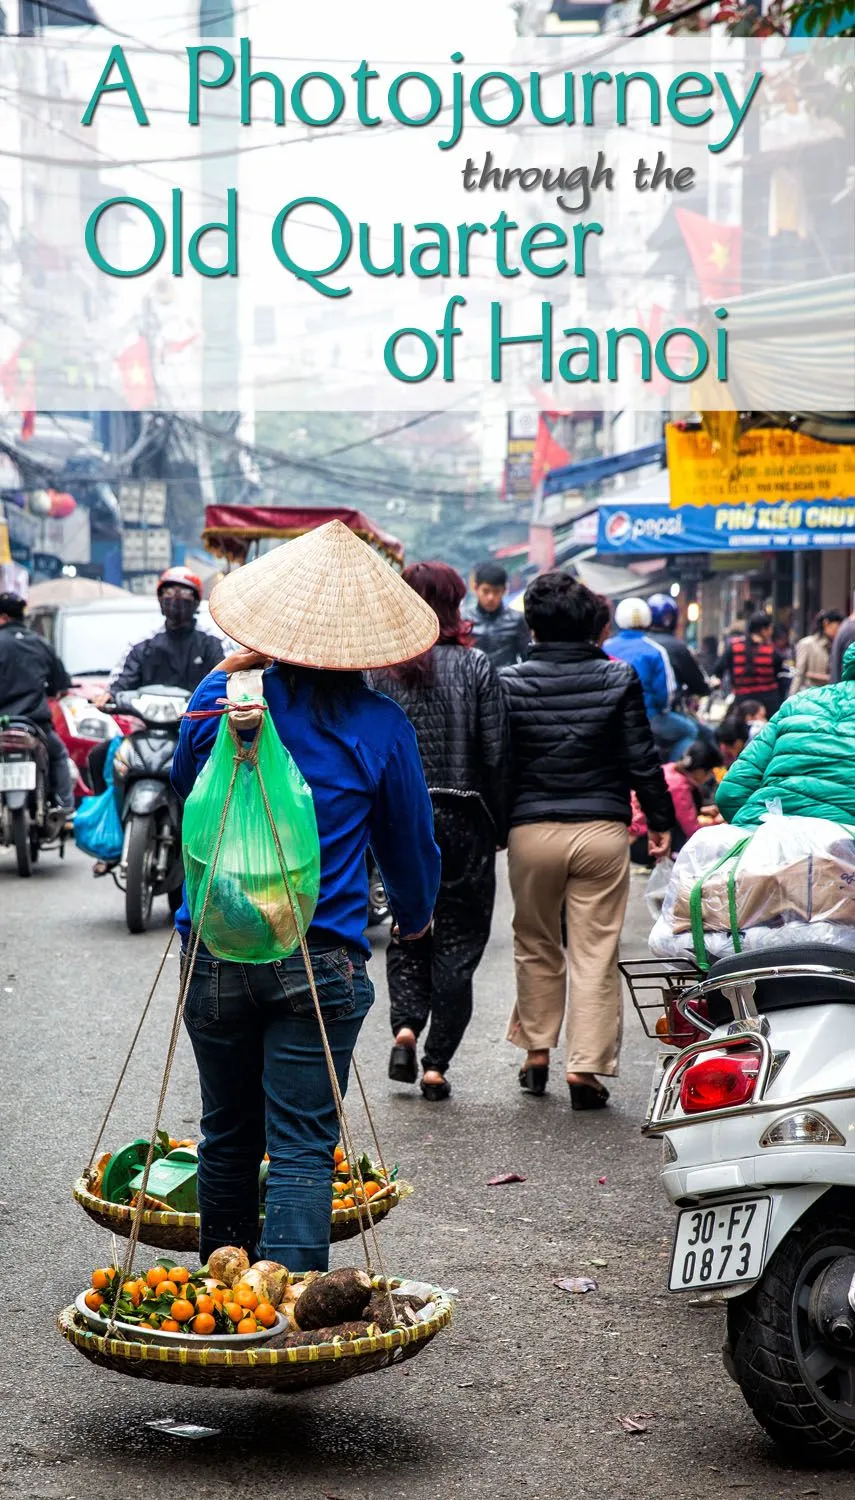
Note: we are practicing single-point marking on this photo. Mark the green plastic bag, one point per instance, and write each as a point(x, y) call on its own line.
point(246, 916)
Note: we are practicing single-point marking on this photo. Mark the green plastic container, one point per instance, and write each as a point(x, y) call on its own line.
point(172, 1179)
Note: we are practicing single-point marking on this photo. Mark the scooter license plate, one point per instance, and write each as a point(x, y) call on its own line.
point(721, 1244)
point(17, 775)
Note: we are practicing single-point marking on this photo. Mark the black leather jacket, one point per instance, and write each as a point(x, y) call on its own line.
point(30, 673)
point(580, 739)
point(503, 635)
point(461, 726)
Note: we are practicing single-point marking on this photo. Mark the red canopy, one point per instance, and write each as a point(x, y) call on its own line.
point(230, 530)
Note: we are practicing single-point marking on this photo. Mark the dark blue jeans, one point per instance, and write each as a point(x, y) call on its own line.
point(266, 1087)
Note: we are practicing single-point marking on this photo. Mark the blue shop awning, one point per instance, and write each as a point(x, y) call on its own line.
point(595, 470)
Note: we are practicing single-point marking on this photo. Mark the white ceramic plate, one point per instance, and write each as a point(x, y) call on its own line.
point(139, 1335)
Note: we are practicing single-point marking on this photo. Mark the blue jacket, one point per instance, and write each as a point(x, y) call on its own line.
point(368, 788)
point(651, 663)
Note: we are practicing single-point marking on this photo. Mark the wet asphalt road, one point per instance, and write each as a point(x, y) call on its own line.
point(520, 1397)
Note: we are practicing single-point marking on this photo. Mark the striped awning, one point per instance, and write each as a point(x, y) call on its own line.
point(793, 348)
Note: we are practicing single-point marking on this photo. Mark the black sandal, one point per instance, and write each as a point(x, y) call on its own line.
point(586, 1096)
point(436, 1091)
point(533, 1079)
point(402, 1064)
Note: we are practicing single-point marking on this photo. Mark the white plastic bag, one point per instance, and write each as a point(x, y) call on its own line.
point(657, 886)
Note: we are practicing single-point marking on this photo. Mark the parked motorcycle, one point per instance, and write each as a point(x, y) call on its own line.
point(754, 1104)
point(150, 863)
point(27, 821)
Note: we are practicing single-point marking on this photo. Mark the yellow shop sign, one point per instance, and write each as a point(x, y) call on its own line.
point(771, 466)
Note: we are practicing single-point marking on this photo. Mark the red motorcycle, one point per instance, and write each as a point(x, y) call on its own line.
point(81, 727)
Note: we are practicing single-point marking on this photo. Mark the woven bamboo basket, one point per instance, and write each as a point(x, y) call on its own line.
point(174, 1231)
point(285, 1370)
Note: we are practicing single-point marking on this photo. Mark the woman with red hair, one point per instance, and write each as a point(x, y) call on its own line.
point(453, 700)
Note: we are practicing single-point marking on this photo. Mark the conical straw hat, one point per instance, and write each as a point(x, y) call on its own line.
point(325, 600)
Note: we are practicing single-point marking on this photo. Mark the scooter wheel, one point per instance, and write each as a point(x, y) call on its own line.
point(800, 1387)
point(21, 840)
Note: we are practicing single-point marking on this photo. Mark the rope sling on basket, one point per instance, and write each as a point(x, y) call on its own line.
point(202, 1364)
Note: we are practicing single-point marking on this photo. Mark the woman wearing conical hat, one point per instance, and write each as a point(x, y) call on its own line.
point(314, 613)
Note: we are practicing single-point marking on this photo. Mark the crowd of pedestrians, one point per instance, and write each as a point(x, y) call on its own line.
point(568, 735)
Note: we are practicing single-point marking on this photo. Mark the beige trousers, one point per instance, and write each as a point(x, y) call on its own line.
point(585, 868)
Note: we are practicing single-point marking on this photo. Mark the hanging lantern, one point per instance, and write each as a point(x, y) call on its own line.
point(39, 503)
point(61, 504)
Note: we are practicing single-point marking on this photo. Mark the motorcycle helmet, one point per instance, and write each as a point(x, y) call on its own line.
point(184, 578)
point(632, 614)
point(663, 611)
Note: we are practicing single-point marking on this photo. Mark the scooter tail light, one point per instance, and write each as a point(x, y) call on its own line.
point(676, 1030)
point(720, 1080)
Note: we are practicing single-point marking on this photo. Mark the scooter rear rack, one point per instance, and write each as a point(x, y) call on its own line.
point(653, 983)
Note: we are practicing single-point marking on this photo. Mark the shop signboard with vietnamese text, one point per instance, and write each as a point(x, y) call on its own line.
point(768, 466)
point(652, 527)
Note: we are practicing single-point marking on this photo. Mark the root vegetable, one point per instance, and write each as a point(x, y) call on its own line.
point(405, 1309)
point(333, 1299)
point(268, 1280)
point(343, 1333)
point(228, 1264)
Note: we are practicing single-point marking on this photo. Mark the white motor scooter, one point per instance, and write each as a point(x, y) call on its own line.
point(756, 1114)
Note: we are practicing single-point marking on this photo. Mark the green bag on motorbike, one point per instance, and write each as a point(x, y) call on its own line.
point(238, 895)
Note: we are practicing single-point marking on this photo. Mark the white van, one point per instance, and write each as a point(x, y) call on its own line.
point(92, 638)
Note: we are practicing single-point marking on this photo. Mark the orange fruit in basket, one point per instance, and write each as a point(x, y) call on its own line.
point(347, 1202)
point(155, 1276)
point(100, 1280)
point(339, 1156)
point(346, 1187)
point(173, 1144)
point(169, 1325)
point(205, 1305)
point(218, 1295)
point(247, 1325)
point(93, 1301)
point(131, 1289)
point(180, 1275)
point(246, 1298)
point(182, 1310)
point(203, 1323)
point(233, 1310)
point(167, 1289)
point(372, 1189)
point(265, 1314)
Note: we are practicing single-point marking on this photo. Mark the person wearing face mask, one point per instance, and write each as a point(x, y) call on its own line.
point(180, 655)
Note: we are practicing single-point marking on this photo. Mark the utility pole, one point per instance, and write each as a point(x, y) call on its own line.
point(220, 353)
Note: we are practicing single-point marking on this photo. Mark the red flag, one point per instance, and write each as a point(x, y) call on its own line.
point(548, 452)
point(177, 345)
point(135, 368)
point(716, 253)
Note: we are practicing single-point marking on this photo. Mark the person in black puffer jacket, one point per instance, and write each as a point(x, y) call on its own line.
point(453, 700)
point(580, 743)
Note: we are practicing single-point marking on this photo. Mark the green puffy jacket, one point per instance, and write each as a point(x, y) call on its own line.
point(805, 757)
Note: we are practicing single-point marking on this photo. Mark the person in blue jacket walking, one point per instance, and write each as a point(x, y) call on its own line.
point(653, 665)
point(312, 615)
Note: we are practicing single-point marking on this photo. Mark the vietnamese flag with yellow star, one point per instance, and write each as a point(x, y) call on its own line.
point(716, 253)
point(137, 377)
